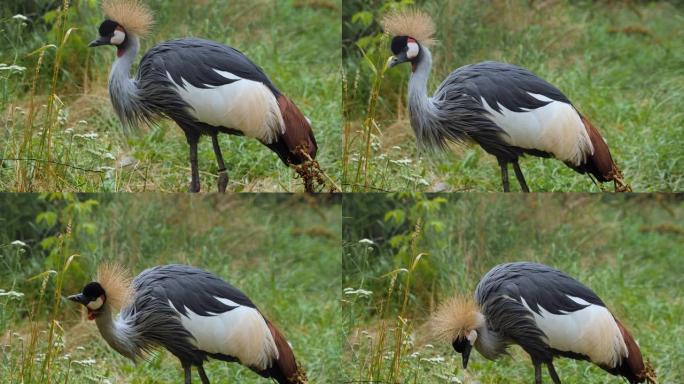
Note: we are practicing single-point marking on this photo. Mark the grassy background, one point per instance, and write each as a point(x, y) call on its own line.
point(281, 250)
point(77, 125)
point(621, 63)
point(628, 249)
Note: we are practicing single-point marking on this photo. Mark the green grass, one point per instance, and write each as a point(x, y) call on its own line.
point(281, 250)
point(73, 138)
point(621, 64)
point(626, 248)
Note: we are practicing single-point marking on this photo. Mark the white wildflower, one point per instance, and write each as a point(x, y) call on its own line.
point(433, 360)
point(11, 293)
point(85, 362)
point(18, 68)
point(357, 292)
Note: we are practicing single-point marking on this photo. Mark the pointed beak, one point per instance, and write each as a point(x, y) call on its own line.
point(466, 355)
point(396, 60)
point(99, 41)
point(79, 298)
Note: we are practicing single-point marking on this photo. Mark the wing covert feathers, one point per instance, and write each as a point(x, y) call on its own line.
point(116, 282)
point(135, 16)
point(410, 22)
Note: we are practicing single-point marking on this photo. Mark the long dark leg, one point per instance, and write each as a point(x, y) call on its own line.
point(193, 139)
point(222, 173)
point(203, 375)
point(519, 175)
point(188, 373)
point(552, 373)
point(504, 175)
point(537, 371)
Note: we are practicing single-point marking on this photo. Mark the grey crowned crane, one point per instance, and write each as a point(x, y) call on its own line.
point(193, 314)
point(207, 88)
point(505, 109)
point(544, 311)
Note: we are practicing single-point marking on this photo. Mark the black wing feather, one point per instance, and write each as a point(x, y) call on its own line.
point(500, 294)
point(195, 61)
point(192, 288)
point(538, 284)
point(503, 84)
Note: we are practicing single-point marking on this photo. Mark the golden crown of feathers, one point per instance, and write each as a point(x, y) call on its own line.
point(454, 318)
point(116, 282)
point(133, 15)
point(410, 22)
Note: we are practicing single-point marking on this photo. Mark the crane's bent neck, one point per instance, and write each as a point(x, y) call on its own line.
point(123, 90)
point(117, 333)
point(489, 343)
point(123, 63)
point(423, 113)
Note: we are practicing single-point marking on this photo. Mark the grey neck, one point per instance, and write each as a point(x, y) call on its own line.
point(424, 115)
point(417, 92)
point(121, 69)
point(117, 333)
point(122, 89)
point(489, 343)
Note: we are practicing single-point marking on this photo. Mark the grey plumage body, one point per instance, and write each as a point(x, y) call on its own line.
point(506, 110)
point(207, 88)
point(550, 314)
point(499, 294)
point(194, 315)
point(149, 322)
point(455, 112)
point(152, 94)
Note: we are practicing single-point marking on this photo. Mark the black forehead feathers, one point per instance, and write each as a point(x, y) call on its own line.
point(93, 290)
point(399, 44)
point(460, 344)
point(107, 27)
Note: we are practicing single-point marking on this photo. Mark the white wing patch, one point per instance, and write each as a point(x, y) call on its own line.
point(591, 331)
point(555, 128)
point(241, 333)
point(246, 105)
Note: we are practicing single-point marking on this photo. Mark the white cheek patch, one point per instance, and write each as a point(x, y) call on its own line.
point(95, 304)
point(412, 50)
point(118, 37)
point(472, 336)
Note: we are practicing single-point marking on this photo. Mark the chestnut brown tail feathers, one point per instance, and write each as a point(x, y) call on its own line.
point(284, 370)
point(297, 137)
point(600, 164)
point(632, 367)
